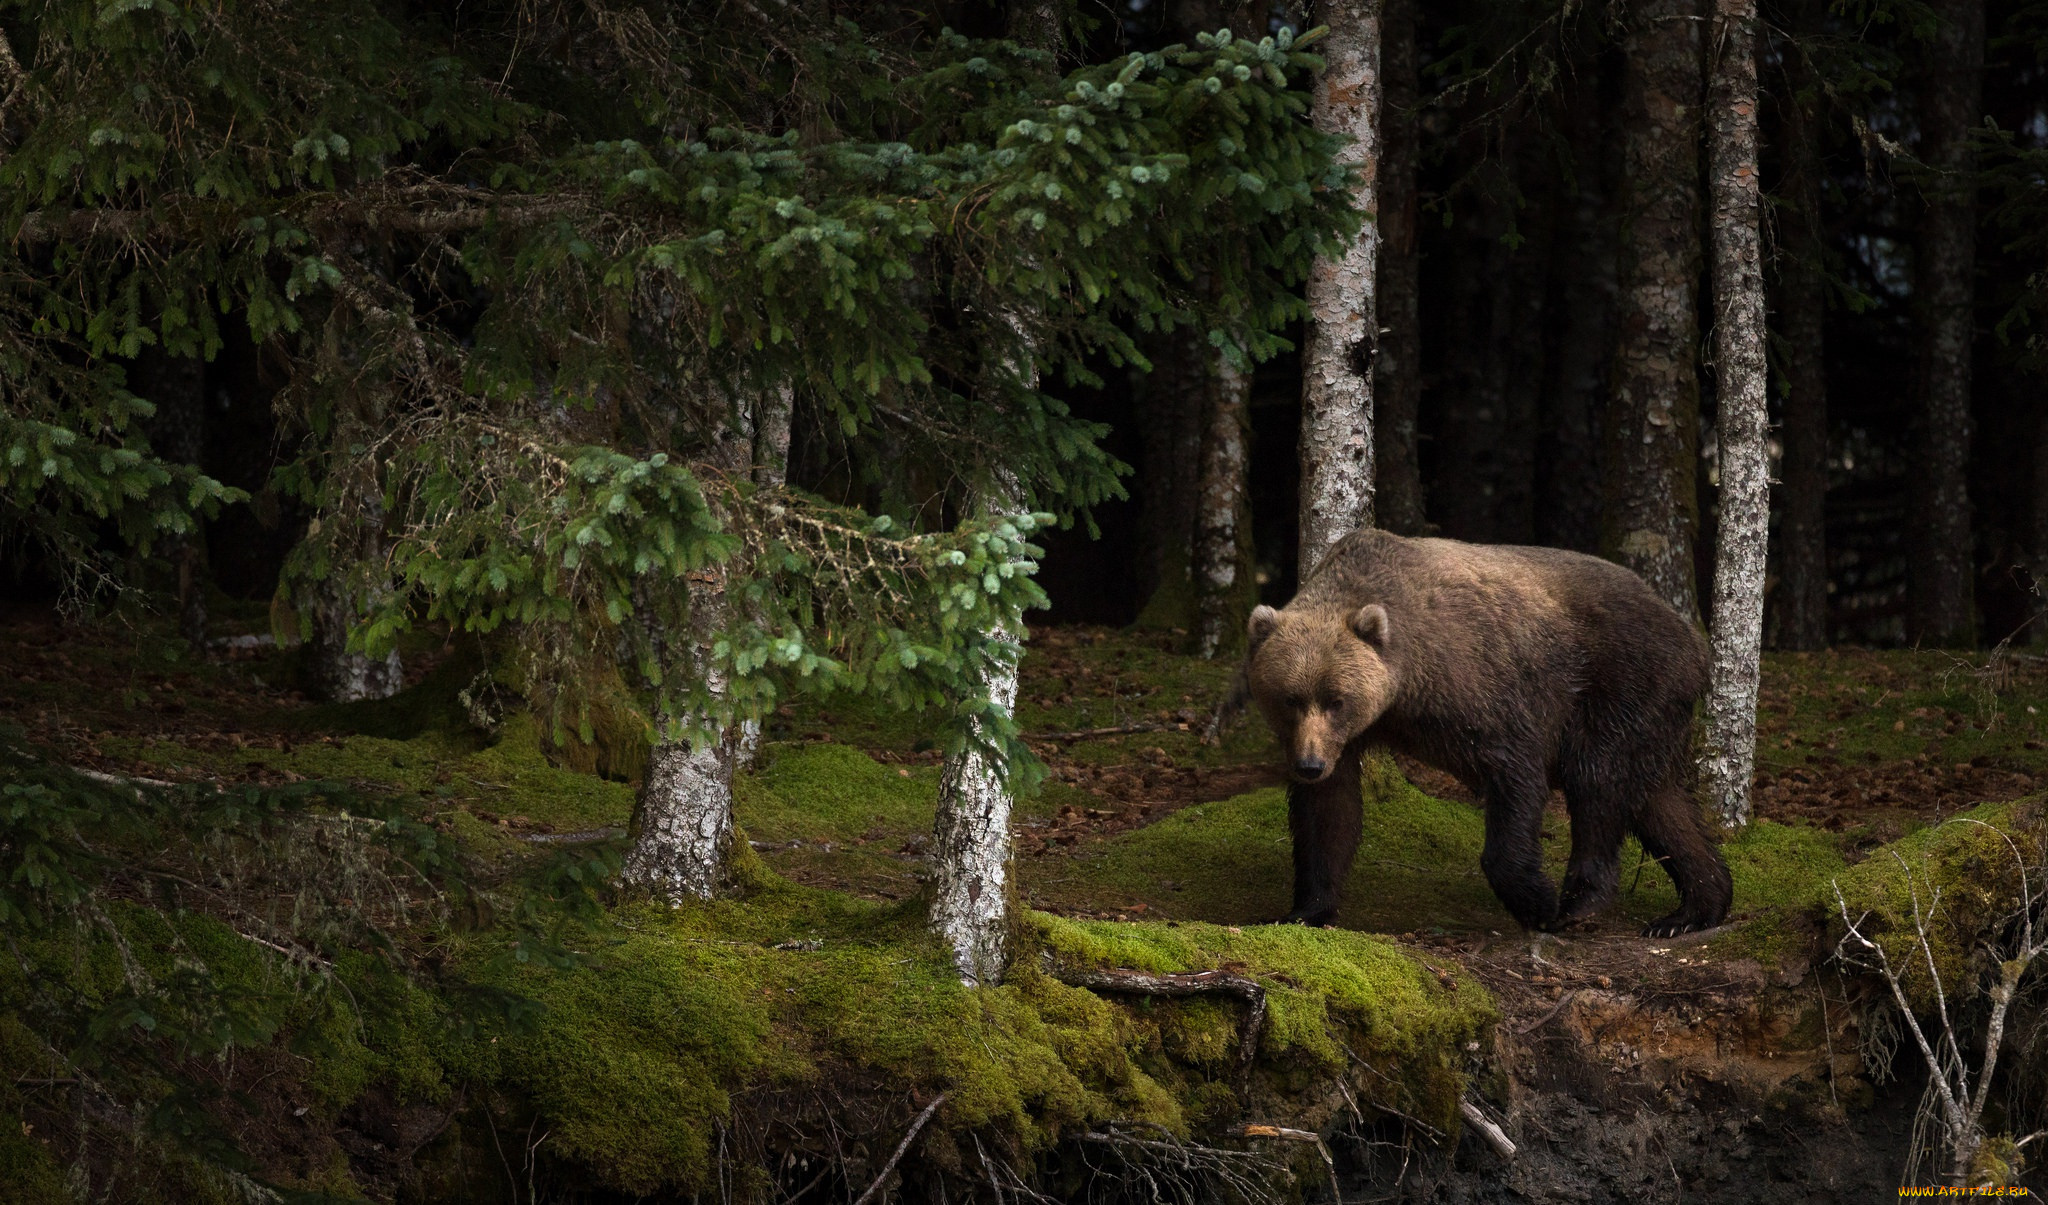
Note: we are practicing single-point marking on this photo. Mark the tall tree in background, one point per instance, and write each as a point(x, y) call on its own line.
point(1802, 618)
point(1742, 425)
point(1397, 369)
point(1224, 576)
point(1651, 510)
point(1336, 387)
point(1940, 601)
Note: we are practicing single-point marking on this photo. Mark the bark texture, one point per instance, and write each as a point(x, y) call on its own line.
point(1224, 585)
point(683, 831)
point(1170, 421)
point(1336, 393)
point(335, 603)
point(1940, 606)
point(1802, 620)
point(1651, 510)
point(1397, 369)
point(770, 420)
point(1729, 759)
point(344, 676)
point(970, 862)
point(682, 817)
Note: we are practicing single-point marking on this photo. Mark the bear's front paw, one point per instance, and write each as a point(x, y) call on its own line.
point(1314, 917)
point(1675, 924)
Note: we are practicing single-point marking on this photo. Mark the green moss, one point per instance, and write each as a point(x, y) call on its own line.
point(1972, 863)
point(641, 1052)
point(821, 792)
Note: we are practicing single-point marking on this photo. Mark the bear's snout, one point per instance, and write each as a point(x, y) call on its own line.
point(1310, 768)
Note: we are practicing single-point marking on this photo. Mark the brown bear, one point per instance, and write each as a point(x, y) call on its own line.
point(1514, 669)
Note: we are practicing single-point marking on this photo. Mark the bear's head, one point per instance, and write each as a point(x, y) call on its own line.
point(1320, 678)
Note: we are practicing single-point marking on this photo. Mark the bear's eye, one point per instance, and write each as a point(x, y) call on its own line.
point(1296, 703)
point(1331, 704)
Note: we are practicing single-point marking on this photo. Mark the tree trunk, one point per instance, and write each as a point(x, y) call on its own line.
point(684, 836)
point(1225, 587)
point(1397, 370)
point(177, 432)
point(772, 413)
point(1582, 288)
point(1170, 422)
point(1336, 395)
point(1739, 338)
point(1802, 525)
point(342, 676)
point(682, 817)
point(1651, 511)
point(335, 604)
point(970, 861)
point(1940, 608)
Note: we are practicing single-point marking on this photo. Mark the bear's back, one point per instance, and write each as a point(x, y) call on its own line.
point(1503, 599)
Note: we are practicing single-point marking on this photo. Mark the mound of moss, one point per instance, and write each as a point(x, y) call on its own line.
point(642, 1052)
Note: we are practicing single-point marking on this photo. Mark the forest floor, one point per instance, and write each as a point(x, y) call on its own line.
point(1142, 826)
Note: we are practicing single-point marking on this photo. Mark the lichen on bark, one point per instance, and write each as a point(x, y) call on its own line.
point(1729, 758)
point(1337, 364)
point(1651, 512)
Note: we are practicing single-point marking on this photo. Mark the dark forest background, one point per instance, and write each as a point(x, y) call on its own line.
point(1516, 221)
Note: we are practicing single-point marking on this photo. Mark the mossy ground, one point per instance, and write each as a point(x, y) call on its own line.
point(1144, 850)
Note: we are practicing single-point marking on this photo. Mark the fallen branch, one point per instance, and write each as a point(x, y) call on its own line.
point(1543, 1020)
point(1496, 1137)
point(890, 1166)
point(1089, 734)
point(1195, 983)
point(1285, 1134)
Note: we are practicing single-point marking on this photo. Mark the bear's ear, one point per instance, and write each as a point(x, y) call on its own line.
point(1370, 624)
point(1262, 623)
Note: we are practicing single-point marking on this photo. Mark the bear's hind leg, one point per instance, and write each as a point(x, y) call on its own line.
point(1673, 832)
point(1593, 873)
point(1326, 818)
point(1513, 857)
point(1599, 811)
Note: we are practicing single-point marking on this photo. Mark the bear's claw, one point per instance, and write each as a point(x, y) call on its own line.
point(1675, 924)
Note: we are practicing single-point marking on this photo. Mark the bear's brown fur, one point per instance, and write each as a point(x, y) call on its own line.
point(1514, 669)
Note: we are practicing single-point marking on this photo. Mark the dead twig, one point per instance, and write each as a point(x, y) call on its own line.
point(1089, 734)
point(901, 1147)
point(1496, 1137)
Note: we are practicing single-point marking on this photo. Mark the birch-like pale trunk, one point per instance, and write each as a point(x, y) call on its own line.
point(1336, 387)
point(682, 819)
point(770, 420)
point(336, 602)
point(1224, 590)
point(1940, 595)
point(970, 860)
point(345, 676)
point(1651, 513)
point(1802, 617)
point(1729, 759)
